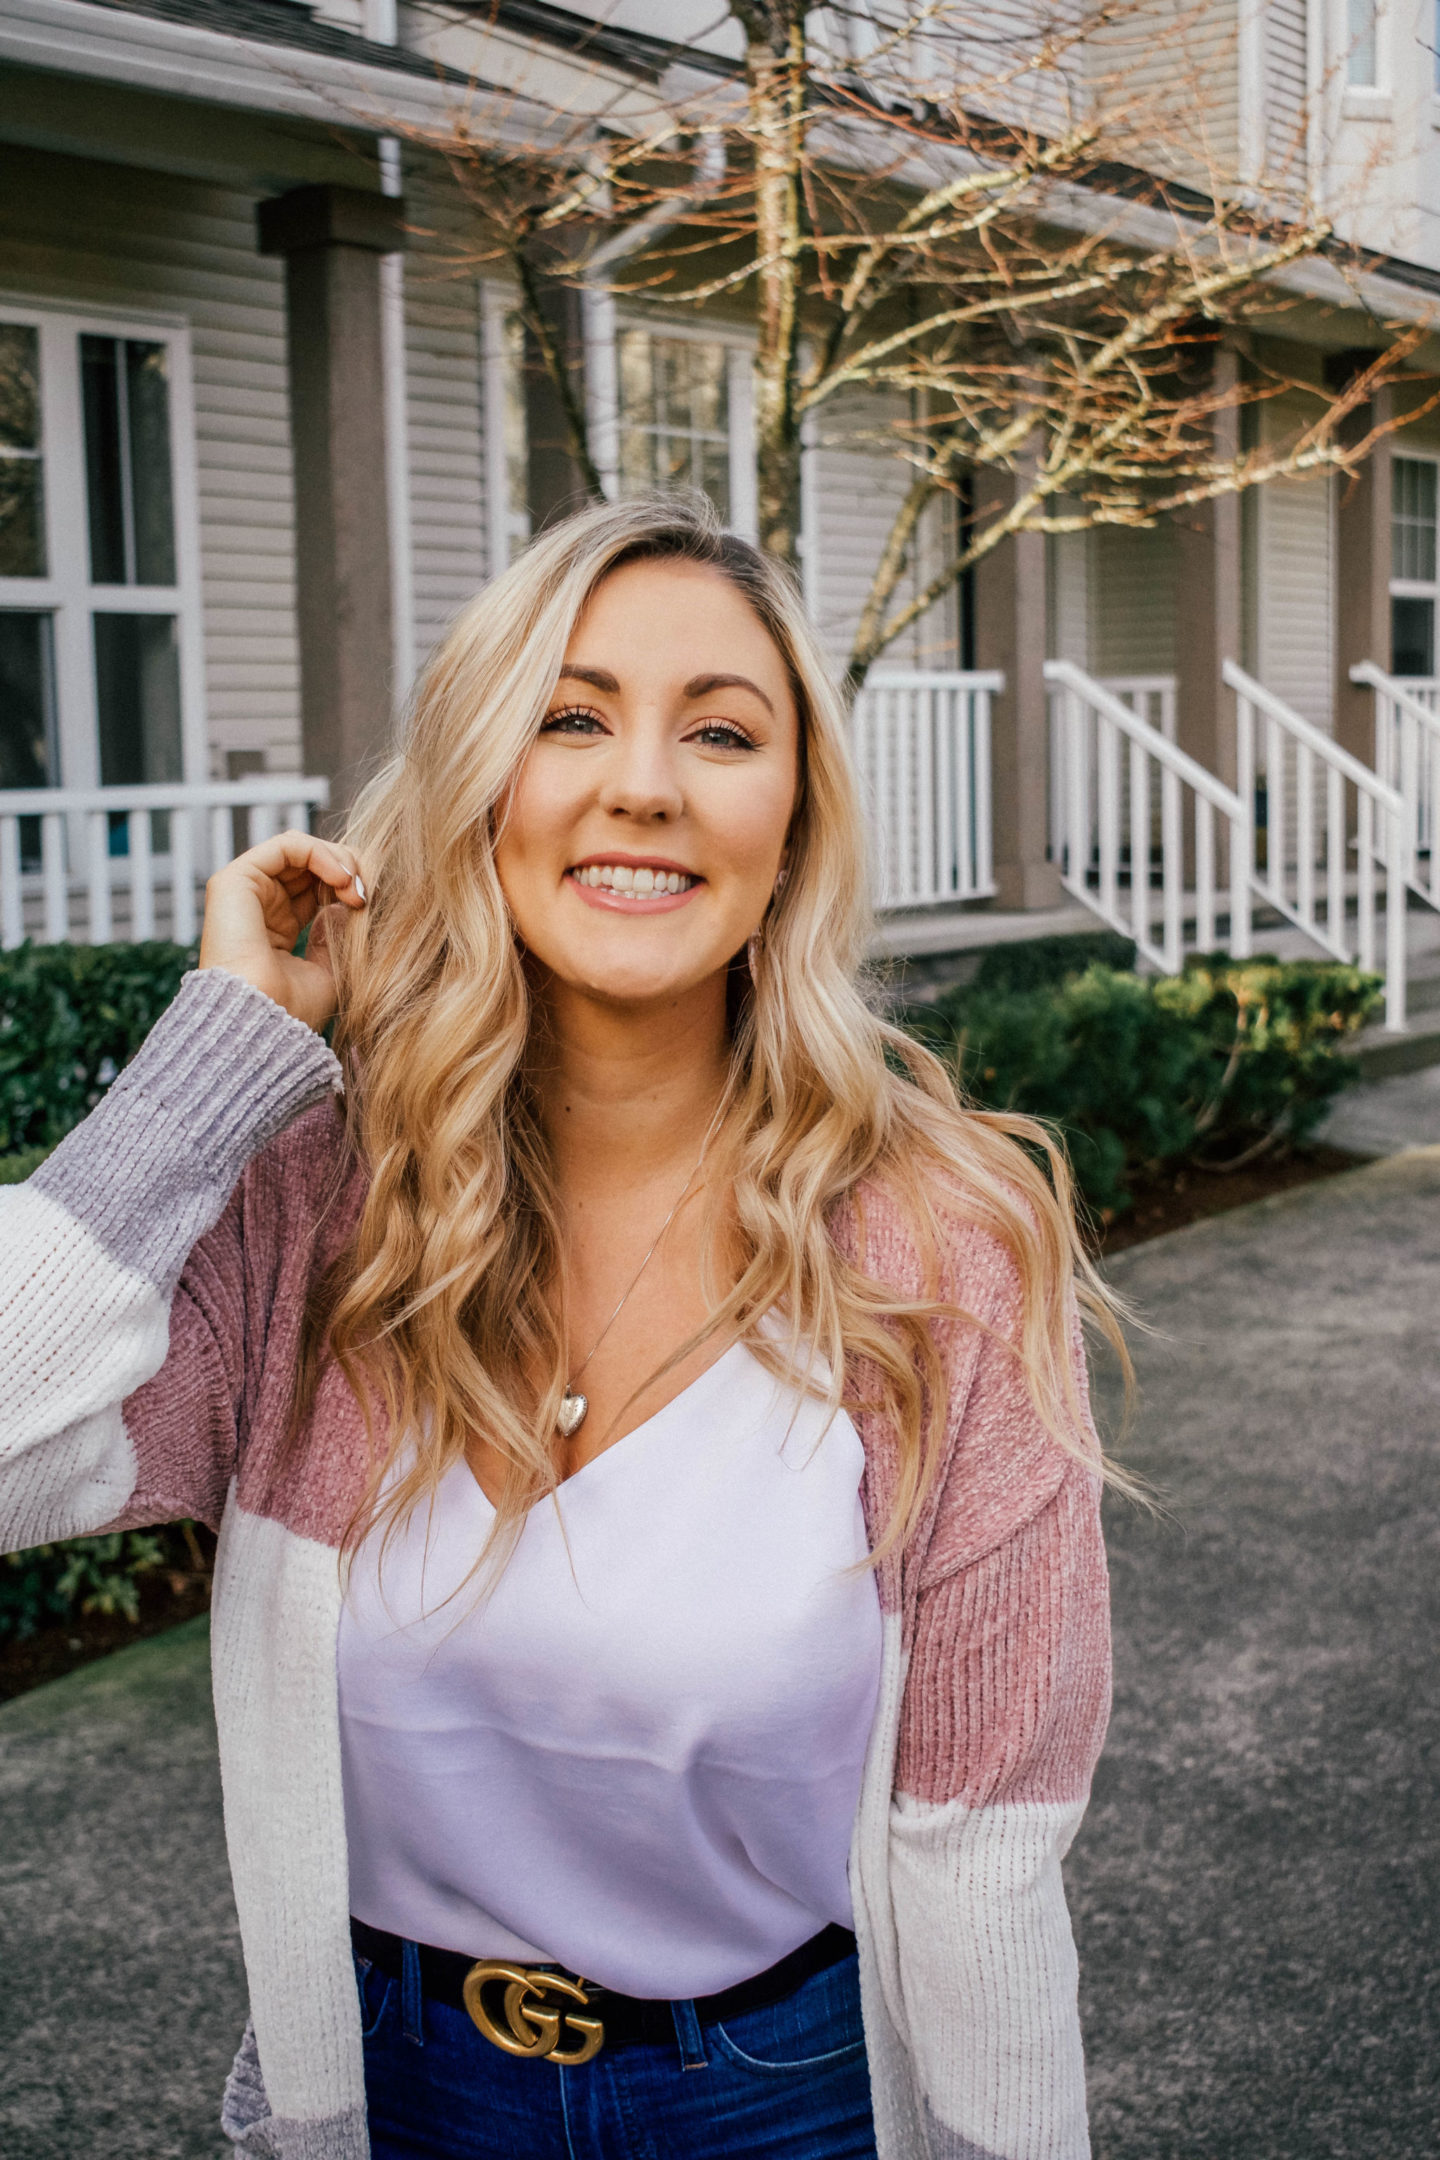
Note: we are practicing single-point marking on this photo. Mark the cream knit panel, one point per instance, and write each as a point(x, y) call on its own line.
point(276, 1612)
point(1004, 1711)
point(989, 1973)
point(77, 1333)
point(898, 2107)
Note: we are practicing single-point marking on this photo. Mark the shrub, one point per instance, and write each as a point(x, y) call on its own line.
point(1040, 963)
point(70, 1016)
point(49, 1583)
point(1216, 1066)
point(14, 1169)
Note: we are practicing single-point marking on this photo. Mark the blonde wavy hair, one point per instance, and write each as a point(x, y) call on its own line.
point(446, 1311)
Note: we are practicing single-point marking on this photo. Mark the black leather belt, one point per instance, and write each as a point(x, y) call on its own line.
point(551, 2015)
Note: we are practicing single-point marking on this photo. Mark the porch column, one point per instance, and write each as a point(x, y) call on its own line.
point(333, 239)
point(1010, 635)
point(1208, 593)
point(1362, 578)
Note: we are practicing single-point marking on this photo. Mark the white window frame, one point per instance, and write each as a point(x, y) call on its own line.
point(1421, 588)
point(506, 521)
point(67, 594)
point(739, 344)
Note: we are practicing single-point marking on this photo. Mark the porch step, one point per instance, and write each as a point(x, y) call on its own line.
point(923, 951)
point(1381, 1054)
point(917, 933)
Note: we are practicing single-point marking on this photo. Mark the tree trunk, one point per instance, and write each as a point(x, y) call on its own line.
point(775, 77)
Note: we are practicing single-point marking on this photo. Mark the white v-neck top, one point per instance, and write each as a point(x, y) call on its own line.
point(640, 1757)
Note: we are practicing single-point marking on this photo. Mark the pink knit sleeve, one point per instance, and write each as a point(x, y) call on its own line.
point(1009, 1678)
point(1008, 1690)
point(1002, 1716)
point(183, 1423)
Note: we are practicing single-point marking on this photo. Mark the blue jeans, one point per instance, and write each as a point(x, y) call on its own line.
point(789, 2082)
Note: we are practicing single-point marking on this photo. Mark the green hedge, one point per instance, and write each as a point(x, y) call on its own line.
point(70, 1016)
point(50, 1583)
point(1224, 1063)
point(1042, 963)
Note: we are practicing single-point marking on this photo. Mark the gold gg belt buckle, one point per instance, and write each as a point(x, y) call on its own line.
point(532, 2026)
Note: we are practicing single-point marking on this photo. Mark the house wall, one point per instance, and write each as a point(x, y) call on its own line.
point(445, 418)
point(89, 235)
point(1291, 572)
point(1287, 92)
point(1131, 591)
point(81, 234)
point(1167, 71)
point(1067, 598)
point(855, 485)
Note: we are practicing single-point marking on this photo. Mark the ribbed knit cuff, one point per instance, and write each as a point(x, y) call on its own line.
point(230, 1066)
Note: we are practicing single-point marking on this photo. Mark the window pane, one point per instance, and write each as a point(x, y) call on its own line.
point(1412, 637)
point(137, 689)
point(1413, 506)
point(1360, 61)
point(27, 716)
point(637, 398)
point(127, 461)
point(709, 380)
point(26, 730)
point(22, 524)
point(104, 459)
point(19, 387)
point(672, 460)
point(674, 415)
point(714, 475)
point(637, 473)
point(148, 401)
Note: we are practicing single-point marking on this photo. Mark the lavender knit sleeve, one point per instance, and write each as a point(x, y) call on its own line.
point(92, 1250)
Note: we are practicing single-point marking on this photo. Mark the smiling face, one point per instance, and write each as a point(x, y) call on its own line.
point(648, 823)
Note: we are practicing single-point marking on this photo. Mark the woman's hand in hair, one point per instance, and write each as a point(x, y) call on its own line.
point(256, 908)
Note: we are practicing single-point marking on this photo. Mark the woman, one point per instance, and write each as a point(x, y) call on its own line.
point(658, 1510)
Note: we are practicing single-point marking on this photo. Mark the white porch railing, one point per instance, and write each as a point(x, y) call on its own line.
point(1309, 783)
point(1126, 796)
point(1152, 699)
point(92, 864)
point(922, 749)
point(1407, 758)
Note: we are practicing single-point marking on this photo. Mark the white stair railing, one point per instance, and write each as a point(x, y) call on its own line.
point(96, 864)
point(1309, 786)
point(1122, 842)
point(1151, 698)
point(1407, 758)
point(922, 750)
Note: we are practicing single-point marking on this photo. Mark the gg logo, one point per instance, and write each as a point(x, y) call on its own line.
point(531, 2026)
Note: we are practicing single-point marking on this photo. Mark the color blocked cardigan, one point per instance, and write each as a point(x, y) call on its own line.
point(152, 1276)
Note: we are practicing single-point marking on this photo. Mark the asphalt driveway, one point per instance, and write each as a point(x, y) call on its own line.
point(1256, 1888)
point(1257, 1885)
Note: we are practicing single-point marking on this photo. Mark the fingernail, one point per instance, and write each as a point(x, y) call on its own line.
point(358, 884)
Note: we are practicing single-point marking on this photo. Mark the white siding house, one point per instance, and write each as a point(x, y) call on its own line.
point(178, 178)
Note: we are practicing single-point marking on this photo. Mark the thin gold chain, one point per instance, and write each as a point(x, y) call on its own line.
point(655, 1244)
